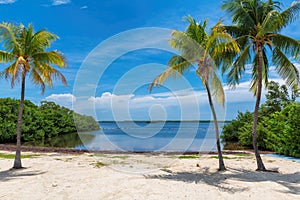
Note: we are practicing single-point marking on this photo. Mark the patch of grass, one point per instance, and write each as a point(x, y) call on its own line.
point(172, 157)
point(189, 156)
point(12, 156)
point(242, 154)
point(99, 164)
point(270, 161)
point(30, 155)
point(224, 157)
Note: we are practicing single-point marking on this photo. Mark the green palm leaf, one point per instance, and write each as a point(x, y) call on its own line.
point(291, 14)
point(51, 57)
point(285, 68)
point(286, 44)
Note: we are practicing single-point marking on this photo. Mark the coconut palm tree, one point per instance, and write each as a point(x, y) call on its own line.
point(257, 26)
point(25, 51)
point(197, 47)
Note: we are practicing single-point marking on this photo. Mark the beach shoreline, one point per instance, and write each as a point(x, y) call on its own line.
point(56, 175)
point(36, 149)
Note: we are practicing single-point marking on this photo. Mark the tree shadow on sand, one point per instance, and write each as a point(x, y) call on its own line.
point(16, 173)
point(218, 179)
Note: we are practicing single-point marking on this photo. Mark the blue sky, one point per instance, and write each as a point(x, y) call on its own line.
point(90, 34)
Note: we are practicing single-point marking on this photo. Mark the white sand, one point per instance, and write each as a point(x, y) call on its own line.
point(61, 176)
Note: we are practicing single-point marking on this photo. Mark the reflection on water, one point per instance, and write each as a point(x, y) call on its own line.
point(158, 136)
point(65, 141)
point(141, 136)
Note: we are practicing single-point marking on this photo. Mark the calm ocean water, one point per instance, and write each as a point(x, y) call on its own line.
point(154, 136)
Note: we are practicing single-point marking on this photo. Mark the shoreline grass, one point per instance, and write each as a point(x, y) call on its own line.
point(12, 156)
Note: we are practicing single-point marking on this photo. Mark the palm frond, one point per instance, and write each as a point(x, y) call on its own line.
point(46, 72)
point(222, 47)
point(291, 14)
point(161, 78)
point(190, 49)
point(271, 23)
point(40, 41)
point(216, 88)
point(177, 66)
point(196, 31)
point(238, 67)
point(25, 49)
point(285, 68)
point(265, 71)
point(8, 34)
point(239, 11)
point(13, 71)
point(50, 57)
point(6, 57)
point(286, 44)
point(37, 79)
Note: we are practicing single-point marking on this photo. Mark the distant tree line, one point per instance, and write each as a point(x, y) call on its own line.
point(278, 127)
point(40, 122)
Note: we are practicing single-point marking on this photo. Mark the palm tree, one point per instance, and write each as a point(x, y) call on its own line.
point(24, 50)
point(257, 30)
point(205, 50)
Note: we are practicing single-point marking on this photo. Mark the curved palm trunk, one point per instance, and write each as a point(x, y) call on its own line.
point(17, 162)
point(221, 162)
point(260, 164)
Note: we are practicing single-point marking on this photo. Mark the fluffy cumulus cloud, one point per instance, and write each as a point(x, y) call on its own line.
point(60, 2)
point(7, 1)
point(176, 105)
point(108, 99)
point(65, 100)
point(183, 104)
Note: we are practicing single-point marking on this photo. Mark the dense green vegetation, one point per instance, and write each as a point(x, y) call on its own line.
point(278, 128)
point(40, 123)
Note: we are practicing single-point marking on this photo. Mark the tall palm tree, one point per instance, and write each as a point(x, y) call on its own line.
point(257, 26)
point(25, 51)
point(205, 50)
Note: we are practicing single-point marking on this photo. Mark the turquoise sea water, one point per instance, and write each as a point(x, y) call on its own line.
point(284, 157)
point(151, 136)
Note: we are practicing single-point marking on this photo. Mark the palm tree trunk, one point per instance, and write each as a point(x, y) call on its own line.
point(17, 162)
point(221, 161)
point(260, 164)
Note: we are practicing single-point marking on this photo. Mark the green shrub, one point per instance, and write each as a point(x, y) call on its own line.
point(40, 123)
point(284, 134)
point(231, 131)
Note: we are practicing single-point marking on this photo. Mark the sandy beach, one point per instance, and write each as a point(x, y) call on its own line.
point(134, 176)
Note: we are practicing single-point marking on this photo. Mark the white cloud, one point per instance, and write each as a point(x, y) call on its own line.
point(240, 94)
point(7, 1)
point(60, 2)
point(83, 7)
point(65, 100)
point(183, 104)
